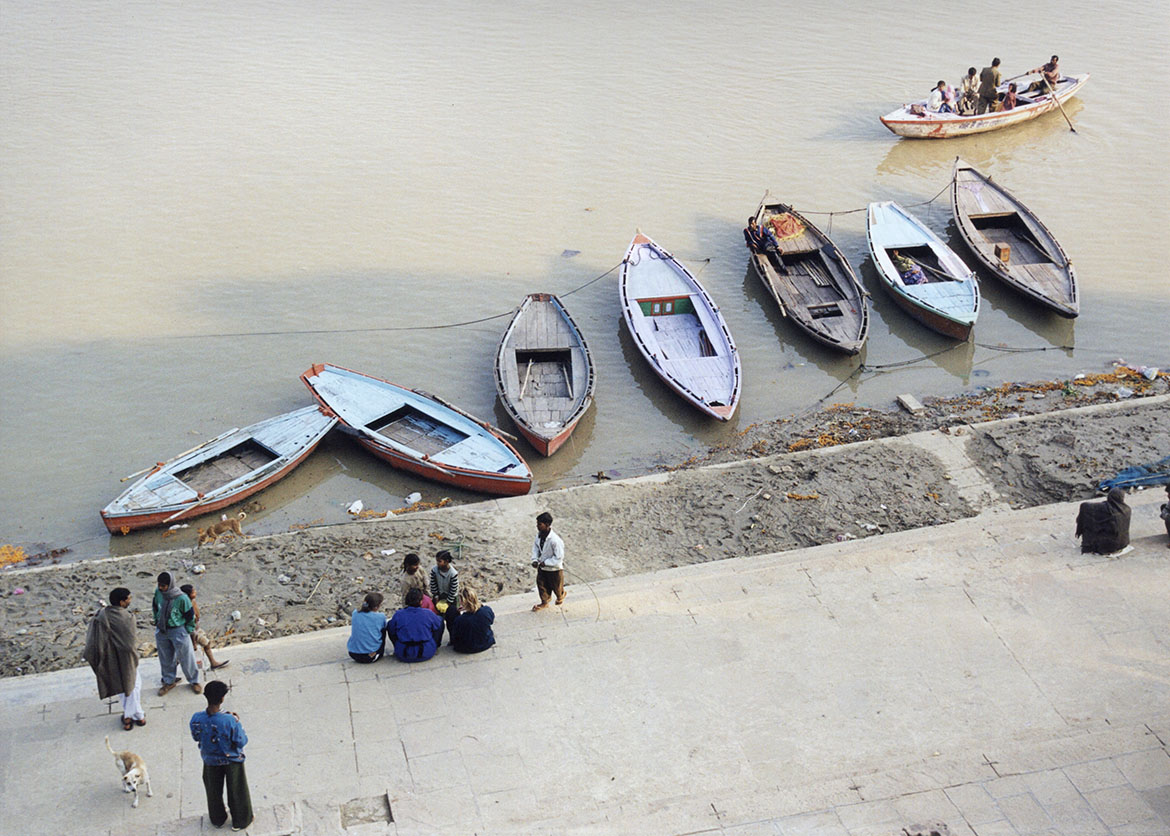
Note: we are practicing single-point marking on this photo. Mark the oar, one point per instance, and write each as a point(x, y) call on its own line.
point(185, 452)
point(524, 385)
point(1013, 78)
point(1052, 93)
point(947, 276)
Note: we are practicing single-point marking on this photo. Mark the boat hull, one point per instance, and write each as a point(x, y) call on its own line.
point(1046, 275)
point(950, 306)
point(480, 481)
point(125, 523)
point(357, 399)
point(816, 275)
point(948, 126)
point(932, 319)
point(678, 284)
point(542, 328)
point(214, 475)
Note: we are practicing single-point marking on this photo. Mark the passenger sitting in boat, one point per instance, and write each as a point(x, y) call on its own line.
point(1009, 98)
point(1051, 75)
point(968, 93)
point(940, 99)
point(910, 272)
point(1104, 526)
point(759, 240)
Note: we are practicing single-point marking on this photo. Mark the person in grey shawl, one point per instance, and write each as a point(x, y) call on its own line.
point(111, 650)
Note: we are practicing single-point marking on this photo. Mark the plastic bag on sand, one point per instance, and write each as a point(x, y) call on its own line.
point(413, 498)
point(355, 507)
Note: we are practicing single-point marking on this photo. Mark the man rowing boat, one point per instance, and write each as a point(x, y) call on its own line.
point(1051, 75)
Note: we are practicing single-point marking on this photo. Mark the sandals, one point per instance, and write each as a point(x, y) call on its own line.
point(141, 722)
point(221, 665)
point(127, 724)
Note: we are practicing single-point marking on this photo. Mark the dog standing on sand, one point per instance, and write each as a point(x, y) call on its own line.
point(132, 768)
point(218, 529)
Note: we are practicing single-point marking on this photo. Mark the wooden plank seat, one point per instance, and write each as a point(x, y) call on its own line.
point(227, 467)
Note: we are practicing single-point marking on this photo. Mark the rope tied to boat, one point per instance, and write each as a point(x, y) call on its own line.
point(835, 212)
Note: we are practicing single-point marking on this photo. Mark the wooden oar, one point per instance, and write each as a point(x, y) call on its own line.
point(947, 276)
point(185, 452)
point(1056, 99)
point(524, 385)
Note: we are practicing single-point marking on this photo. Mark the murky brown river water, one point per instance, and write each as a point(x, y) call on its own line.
point(197, 203)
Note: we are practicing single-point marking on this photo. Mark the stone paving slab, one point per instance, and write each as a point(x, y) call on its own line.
point(978, 678)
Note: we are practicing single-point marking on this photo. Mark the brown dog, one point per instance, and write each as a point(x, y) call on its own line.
point(218, 529)
point(132, 768)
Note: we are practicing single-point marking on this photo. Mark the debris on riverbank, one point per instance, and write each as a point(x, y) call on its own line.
point(807, 495)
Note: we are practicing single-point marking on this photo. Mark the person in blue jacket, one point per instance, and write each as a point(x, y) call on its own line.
point(416, 632)
point(221, 742)
point(367, 631)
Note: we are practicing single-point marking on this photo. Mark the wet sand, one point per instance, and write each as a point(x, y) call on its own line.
point(786, 484)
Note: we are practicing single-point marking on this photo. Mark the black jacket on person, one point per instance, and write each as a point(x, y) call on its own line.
point(471, 632)
point(1104, 526)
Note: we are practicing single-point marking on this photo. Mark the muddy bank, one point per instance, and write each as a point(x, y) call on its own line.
point(314, 578)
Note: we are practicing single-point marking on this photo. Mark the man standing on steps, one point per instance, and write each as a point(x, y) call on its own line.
point(221, 741)
point(548, 558)
point(174, 622)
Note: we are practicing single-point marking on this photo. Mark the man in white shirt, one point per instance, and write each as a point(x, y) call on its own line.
point(548, 558)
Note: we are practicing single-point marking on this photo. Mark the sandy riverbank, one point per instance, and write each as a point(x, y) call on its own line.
point(313, 578)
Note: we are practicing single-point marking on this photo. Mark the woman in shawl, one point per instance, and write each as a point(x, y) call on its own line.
point(111, 650)
point(1104, 526)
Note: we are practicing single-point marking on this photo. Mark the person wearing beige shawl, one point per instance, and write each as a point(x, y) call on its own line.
point(111, 650)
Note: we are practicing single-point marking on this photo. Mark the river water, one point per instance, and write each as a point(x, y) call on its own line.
point(199, 201)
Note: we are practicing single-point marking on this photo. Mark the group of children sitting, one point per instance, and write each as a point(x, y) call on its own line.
point(430, 604)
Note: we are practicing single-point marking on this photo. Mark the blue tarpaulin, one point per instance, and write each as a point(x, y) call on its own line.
point(1143, 475)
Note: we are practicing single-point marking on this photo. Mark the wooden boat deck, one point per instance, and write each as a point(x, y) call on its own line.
point(986, 215)
point(678, 328)
point(234, 464)
point(369, 404)
point(543, 370)
point(807, 280)
point(220, 471)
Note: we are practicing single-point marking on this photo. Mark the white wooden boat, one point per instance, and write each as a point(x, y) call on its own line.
point(914, 121)
point(420, 433)
point(219, 472)
point(678, 329)
point(948, 299)
point(544, 372)
point(1011, 242)
point(811, 280)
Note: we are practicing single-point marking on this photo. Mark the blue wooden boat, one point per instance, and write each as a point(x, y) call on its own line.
point(219, 472)
point(948, 298)
point(679, 329)
point(420, 433)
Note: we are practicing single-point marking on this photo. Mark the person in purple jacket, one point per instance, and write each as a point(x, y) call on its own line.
point(416, 632)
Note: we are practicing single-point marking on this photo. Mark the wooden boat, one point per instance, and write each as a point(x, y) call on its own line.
point(678, 329)
point(990, 218)
point(544, 372)
point(914, 121)
point(420, 433)
point(219, 472)
point(948, 301)
point(811, 280)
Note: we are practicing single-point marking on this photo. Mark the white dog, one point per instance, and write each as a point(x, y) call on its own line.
point(132, 768)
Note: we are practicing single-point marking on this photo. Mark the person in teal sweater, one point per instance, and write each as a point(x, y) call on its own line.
point(174, 622)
